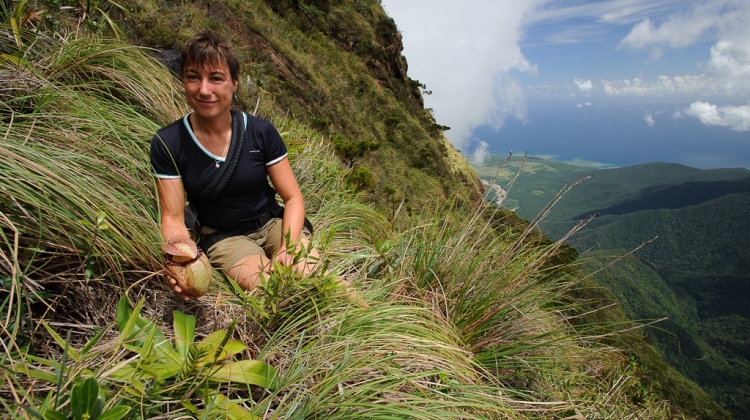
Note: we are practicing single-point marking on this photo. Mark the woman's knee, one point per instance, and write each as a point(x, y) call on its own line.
point(246, 272)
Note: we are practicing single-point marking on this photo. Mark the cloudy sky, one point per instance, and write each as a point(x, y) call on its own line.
point(613, 82)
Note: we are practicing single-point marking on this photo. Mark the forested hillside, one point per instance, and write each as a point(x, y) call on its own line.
point(694, 272)
point(458, 309)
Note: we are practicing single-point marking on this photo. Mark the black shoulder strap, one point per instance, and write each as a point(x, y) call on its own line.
point(230, 163)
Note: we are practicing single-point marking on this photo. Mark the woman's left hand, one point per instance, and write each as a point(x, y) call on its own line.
point(283, 257)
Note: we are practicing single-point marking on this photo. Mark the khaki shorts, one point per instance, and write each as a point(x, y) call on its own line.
point(227, 252)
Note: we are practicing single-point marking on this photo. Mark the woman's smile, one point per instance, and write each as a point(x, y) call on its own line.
point(209, 90)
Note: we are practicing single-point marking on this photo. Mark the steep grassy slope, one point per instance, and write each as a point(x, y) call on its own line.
point(469, 317)
point(466, 318)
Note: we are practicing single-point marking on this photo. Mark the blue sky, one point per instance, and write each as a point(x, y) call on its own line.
point(613, 82)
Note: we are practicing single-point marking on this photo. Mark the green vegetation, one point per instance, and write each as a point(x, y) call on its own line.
point(694, 274)
point(335, 65)
point(472, 312)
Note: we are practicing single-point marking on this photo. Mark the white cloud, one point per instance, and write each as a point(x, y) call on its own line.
point(588, 103)
point(607, 11)
point(649, 119)
point(727, 21)
point(678, 31)
point(732, 60)
point(463, 52)
point(481, 153)
point(579, 105)
point(583, 85)
point(664, 85)
point(735, 117)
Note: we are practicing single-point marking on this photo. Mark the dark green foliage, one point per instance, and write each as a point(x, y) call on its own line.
point(695, 273)
point(321, 124)
point(352, 152)
point(360, 179)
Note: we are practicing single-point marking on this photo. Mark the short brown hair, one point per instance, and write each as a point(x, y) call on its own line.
point(209, 48)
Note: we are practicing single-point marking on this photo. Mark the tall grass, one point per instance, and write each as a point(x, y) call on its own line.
point(77, 183)
point(465, 321)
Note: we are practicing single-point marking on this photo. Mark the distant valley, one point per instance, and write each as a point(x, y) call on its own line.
point(696, 272)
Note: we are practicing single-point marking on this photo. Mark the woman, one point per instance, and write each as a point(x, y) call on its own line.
point(243, 224)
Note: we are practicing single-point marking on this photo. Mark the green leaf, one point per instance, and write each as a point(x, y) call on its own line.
point(72, 353)
point(227, 409)
point(134, 329)
point(166, 370)
point(100, 218)
point(30, 411)
point(19, 10)
point(86, 223)
point(53, 415)
point(115, 413)
point(162, 347)
point(37, 374)
point(252, 372)
point(184, 332)
point(127, 315)
point(91, 343)
point(148, 344)
point(211, 343)
point(190, 407)
point(89, 270)
point(83, 400)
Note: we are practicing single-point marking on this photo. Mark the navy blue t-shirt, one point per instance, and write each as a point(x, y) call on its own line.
point(176, 153)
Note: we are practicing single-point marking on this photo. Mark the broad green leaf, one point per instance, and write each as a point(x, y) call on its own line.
point(83, 400)
point(184, 332)
point(227, 409)
point(165, 371)
point(208, 347)
point(252, 372)
point(231, 348)
point(53, 415)
point(127, 318)
point(115, 413)
point(138, 385)
point(133, 326)
point(212, 340)
point(72, 353)
point(162, 346)
point(123, 312)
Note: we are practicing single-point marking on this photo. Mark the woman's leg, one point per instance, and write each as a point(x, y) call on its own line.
point(241, 259)
point(247, 271)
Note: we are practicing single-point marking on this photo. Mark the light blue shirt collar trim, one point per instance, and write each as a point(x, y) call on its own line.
point(195, 139)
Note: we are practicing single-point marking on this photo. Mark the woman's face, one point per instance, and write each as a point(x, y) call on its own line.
point(209, 89)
